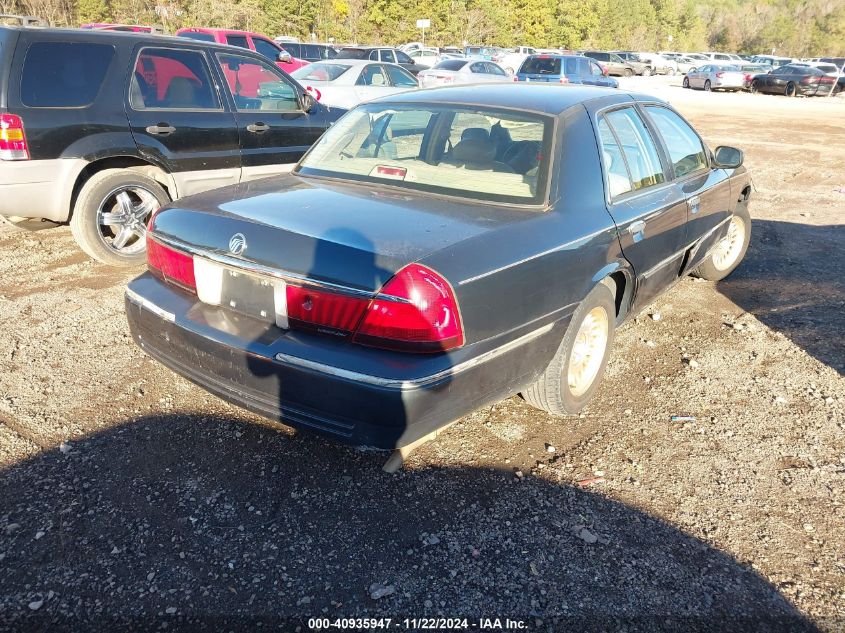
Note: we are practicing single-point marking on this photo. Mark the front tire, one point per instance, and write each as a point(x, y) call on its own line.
point(646, 72)
point(575, 372)
point(110, 217)
point(755, 87)
point(627, 72)
point(685, 83)
point(729, 252)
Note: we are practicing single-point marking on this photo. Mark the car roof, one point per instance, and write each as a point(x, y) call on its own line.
point(128, 37)
point(548, 99)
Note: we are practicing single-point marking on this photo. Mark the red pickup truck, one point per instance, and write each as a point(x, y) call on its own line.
point(253, 41)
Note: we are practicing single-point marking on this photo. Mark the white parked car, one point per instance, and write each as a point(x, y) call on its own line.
point(831, 70)
point(715, 77)
point(512, 59)
point(659, 65)
point(344, 83)
point(427, 57)
point(462, 71)
point(722, 57)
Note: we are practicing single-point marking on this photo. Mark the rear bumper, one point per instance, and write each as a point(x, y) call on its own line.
point(38, 188)
point(354, 394)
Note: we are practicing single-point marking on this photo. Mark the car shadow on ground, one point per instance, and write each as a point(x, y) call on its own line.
point(791, 280)
point(210, 522)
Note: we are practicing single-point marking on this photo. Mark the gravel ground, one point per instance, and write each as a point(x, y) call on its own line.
point(129, 497)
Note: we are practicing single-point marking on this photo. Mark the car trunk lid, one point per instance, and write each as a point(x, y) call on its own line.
point(336, 233)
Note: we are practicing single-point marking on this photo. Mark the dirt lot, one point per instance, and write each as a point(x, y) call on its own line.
point(129, 496)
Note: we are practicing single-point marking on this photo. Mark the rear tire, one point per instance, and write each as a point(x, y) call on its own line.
point(575, 372)
point(646, 72)
point(111, 214)
point(790, 90)
point(729, 252)
point(708, 87)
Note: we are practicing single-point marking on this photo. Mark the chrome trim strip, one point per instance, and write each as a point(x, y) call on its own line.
point(554, 249)
point(138, 300)
point(392, 383)
point(241, 265)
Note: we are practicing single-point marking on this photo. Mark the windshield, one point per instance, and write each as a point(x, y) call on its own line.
point(320, 72)
point(467, 151)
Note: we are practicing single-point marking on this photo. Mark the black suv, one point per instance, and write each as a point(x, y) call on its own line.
point(100, 129)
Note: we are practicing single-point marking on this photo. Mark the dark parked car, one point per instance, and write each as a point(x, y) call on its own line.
point(309, 52)
point(792, 80)
point(100, 128)
point(381, 54)
point(564, 69)
point(437, 251)
point(616, 66)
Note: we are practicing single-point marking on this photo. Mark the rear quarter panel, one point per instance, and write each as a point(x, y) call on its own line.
point(531, 273)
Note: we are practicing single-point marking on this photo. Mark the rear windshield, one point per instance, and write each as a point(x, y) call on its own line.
point(353, 53)
point(451, 64)
point(541, 66)
point(320, 72)
point(202, 37)
point(472, 152)
point(64, 74)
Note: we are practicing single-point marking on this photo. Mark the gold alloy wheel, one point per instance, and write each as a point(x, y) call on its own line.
point(729, 248)
point(588, 351)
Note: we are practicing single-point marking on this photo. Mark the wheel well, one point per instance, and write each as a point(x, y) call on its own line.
point(618, 284)
point(121, 162)
point(746, 193)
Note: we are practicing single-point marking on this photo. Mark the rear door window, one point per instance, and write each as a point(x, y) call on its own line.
point(64, 74)
point(638, 148)
point(172, 79)
point(237, 40)
point(685, 148)
point(400, 77)
point(372, 75)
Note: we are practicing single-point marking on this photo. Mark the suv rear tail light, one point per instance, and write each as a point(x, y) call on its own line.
point(171, 265)
point(415, 311)
point(12, 138)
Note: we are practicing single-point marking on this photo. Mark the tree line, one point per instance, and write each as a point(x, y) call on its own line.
point(800, 28)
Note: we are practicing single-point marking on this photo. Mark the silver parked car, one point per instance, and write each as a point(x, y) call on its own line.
point(715, 77)
point(462, 71)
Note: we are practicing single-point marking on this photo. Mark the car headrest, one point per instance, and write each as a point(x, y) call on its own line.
point(181, 93)
point(472, 150)
point(378, 80)
point(475, 133)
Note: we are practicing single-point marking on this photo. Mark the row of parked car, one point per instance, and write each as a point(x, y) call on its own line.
point(804, 79)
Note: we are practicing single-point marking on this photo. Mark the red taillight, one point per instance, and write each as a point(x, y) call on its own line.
point(310, 309)
point(172, 265)
point(12, 138)
point(720, 74)
point(515, 78)
point(810, 79)
point(415, 311)
point(564, 79)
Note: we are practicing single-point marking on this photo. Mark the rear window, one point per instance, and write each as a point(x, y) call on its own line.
point(64, 74)
point(541, 66)
point(471, 152)
point(320, 72)
point(354, 53)
point(451, 64)
point(201, 37)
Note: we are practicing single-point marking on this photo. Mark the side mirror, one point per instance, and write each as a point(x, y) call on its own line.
point(728, 157)
point(309, 102)
point(285, 57)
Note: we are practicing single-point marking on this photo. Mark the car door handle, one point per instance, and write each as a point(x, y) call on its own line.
point(694, 204)
point(161, 128)
point(258, 128)
point(636, 227)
